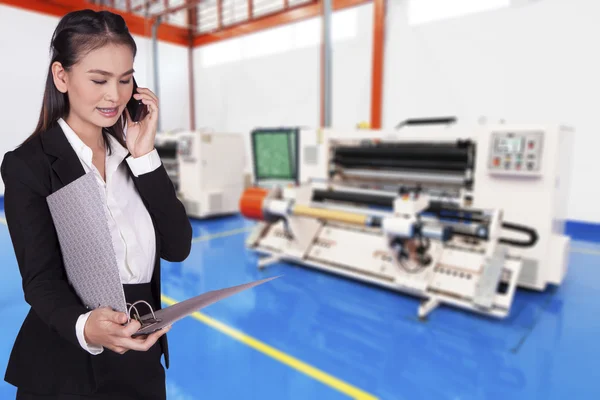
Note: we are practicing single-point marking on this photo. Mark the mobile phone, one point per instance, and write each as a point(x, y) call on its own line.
point(136, 108)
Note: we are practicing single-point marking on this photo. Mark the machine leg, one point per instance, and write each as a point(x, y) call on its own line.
point(264, 262)
point(428, 306)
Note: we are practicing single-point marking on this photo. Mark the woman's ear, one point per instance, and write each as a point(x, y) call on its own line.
point(60, 77)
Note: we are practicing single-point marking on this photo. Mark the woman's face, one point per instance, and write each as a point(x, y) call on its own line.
point(99, 86)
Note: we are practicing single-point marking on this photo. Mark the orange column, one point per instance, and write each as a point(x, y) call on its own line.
point(378, 60)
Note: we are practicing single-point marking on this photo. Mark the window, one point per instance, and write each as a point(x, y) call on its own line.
point(344, 26)
point(423, 11)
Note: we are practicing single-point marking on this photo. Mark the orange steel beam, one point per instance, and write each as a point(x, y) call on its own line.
point(378, 61)
point(137, 25)
point(293, 14)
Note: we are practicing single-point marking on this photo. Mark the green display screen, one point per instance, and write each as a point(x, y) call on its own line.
point(275, 154)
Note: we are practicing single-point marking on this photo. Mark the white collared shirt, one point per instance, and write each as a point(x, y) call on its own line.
point(132, 230)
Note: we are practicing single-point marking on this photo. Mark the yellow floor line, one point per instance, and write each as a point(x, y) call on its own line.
point(222, 234)
point(280, 356)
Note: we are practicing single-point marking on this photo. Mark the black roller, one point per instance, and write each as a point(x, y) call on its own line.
point(367, 199)
point(409, 151)
point(400, 163)
point(355, 198)
point(444, 211)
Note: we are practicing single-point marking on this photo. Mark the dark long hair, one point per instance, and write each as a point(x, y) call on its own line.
point(77, 34)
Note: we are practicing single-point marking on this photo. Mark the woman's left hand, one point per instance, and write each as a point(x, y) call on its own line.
point(140, 135)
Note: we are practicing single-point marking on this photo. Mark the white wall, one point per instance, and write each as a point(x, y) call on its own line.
point(24, 66)
point(271, 78)
point(535, 63)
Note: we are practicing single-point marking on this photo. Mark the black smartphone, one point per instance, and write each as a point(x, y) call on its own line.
point(137, 109)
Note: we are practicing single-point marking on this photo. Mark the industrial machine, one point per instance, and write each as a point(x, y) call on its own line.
point(166, 147)
point(208, 170)
point(211, 172)
point(457, 215)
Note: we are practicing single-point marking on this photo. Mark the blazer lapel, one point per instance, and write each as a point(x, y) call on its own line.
point(66, 164)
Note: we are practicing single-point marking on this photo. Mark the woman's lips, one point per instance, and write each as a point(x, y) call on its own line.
point(108, 112)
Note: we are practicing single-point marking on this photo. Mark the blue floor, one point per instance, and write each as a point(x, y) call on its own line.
point(363, 336)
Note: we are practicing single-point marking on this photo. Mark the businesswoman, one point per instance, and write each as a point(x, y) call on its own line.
point(64, 350)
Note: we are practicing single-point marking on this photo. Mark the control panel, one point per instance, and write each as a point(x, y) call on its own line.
point(516, 152)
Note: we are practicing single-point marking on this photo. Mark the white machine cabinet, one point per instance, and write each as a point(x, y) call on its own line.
point(524, 170)
point(211, 172)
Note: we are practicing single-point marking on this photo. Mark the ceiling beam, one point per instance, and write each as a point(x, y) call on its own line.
point(137, 24)
point(293, 14)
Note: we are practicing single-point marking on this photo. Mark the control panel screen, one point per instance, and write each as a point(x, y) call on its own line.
point(509, 145)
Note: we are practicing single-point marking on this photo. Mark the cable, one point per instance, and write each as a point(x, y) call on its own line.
point(533, 236)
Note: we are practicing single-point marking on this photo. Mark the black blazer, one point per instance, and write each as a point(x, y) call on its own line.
point(46, 355)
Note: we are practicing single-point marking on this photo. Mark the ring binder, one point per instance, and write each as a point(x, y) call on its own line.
point(144, 322)
point(90, 260)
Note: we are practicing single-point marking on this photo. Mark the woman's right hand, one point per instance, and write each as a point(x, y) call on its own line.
point(105, 327)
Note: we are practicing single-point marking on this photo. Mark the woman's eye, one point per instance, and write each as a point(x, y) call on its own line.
point(126, 82)
point(99, 82)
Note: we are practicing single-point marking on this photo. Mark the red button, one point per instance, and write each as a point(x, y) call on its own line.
point(531, 145)
point(496, 161)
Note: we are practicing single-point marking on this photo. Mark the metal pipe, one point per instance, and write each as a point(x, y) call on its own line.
point(327, 54)
point(155, 25)
point(192, 93)
point(405, 175)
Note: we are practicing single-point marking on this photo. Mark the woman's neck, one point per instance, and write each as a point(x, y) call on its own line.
point(90, 135)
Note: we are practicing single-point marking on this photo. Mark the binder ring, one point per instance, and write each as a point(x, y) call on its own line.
point(137, 314)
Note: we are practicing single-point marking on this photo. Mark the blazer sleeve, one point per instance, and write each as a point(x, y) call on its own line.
point(37, 249)
point(172, 223)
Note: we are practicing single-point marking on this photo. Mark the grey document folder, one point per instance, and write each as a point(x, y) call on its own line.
point(81, 222)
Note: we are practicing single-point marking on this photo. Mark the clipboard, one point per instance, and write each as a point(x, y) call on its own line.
point(81, 222)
